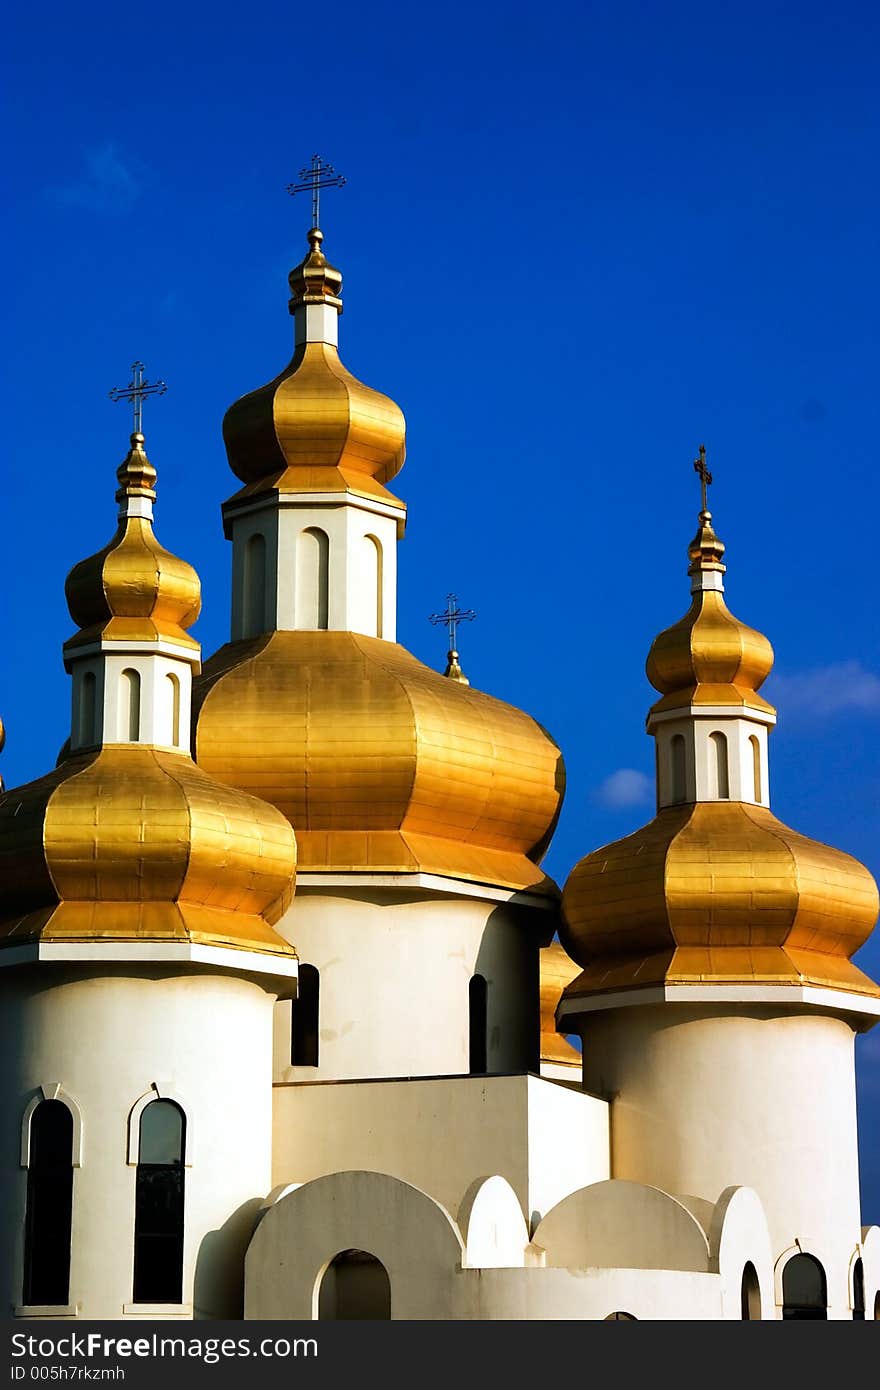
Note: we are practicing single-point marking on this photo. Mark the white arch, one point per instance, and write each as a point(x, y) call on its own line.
point(51, 1090)
point(159, 1092)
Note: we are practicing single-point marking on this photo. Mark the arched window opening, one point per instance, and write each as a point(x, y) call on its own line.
point(312, 580)
point(679, 779)
point(49, 1206)
point(355, 1286)
point(158, 1220)
point(620, 1317)
point(877, 1306)
point(304, 1030)
point(129, 707)
point(254, 585)
point(804, 1297)
point(478, 1008)
point(719, 773)
point(174, 691)
point(750, 1294)
point(756, 767)
point(371, 587)
point(88, 700)
point(858, 1302)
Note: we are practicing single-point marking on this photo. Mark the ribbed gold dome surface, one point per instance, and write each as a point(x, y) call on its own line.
point(717, 891)
point(380, 763)
point(315, 428)
point(709, 657)
point(557, 972)
point(135, 844)
point(134, 588)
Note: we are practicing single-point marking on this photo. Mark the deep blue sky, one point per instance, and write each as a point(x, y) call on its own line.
point(577, 240)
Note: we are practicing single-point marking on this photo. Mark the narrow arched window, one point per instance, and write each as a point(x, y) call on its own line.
point(877, 1306)
point(254, 585)
point(87, 709)
point(858, 1301)
point(159, 1203)
point(677, 759)
point(756, 767)
point(312, 580)
point(478, 1010)
point(750, 1294)
point(720, 783)
point(304, 1030)
point(355, 1286)
point(49, 1205)
point(372, 586)
point(620, 1316)
point(174, 703)
point(804, 1296)
point(129, 707)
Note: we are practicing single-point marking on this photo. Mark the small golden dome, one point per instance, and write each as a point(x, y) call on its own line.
point(717, 891)
point(135, 844)
point(133, 588)
point(709, 657)
point(315, 428)
point(557, 972)
point(380, 763)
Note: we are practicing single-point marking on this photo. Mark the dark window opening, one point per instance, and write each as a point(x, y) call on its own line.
point(620, 1316)
point(49, 1205)
point(304, 1028)
point(355, 1286)
point(804, 1296)
point(159, 1192)
point(478, 1003)
point(750, 1294)
point(858, 1292)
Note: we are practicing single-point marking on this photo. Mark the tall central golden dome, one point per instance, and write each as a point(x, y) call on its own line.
point(380, 763)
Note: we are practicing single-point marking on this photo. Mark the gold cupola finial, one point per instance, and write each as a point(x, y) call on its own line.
point(133, 588)
point(709, 657)
point(450, 618)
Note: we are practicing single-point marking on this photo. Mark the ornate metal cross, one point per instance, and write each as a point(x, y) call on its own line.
point(316, 176)
point(136, 391)
point(705, 475)
point(452, 617)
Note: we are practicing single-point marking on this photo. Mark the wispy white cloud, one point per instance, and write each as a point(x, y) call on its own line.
point(106, 184)
point(828, 690)
point(625, 787)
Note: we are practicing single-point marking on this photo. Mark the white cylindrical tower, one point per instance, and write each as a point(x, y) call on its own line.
point(718, 1002)
point(422, 807)
point(139, 971)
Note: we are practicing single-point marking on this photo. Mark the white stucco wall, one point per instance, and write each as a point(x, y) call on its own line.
point(705, 1097)
point(443, 1134)
point(395, 968)
point(204, 1039)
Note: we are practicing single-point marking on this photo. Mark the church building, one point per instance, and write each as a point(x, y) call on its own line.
point(287, 997)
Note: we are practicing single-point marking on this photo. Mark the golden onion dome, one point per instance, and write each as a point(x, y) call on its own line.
point(718, 891)
point(132, 843)
point(557, 972)
point(380, 763)
point(709, 657)
point(134, 588)
point(315, 427)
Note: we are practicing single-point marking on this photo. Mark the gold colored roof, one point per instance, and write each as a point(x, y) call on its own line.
point(133, 589)
point(709, 657)
point(134, 844)
point(717, 892)
point(557, 972)
point(315, 428)
point(379, 762)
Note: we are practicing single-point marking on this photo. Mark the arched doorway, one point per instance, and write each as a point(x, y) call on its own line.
point(750, 1294)
point(804, 1295)
point(355, 1286)
point(858, 1296)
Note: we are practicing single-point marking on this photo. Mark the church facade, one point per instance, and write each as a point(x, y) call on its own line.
point(287, 995)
